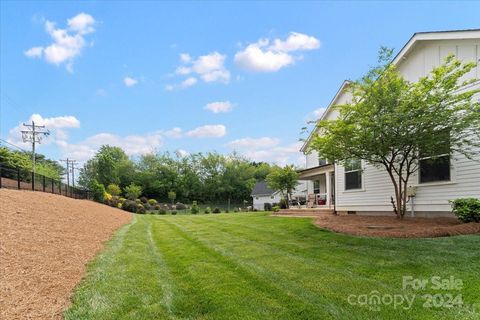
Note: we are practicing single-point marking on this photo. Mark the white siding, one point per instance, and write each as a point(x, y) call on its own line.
point(259, 203)
point(377, 187)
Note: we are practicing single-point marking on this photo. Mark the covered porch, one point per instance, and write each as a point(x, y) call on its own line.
point(320, 186)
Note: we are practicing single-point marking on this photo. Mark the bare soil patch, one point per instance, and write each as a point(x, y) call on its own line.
point(45, 242)
point(391, 227)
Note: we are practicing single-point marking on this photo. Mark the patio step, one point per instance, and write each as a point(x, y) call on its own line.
point(304, 212)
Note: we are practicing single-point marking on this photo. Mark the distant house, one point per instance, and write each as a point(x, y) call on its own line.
point(363, 189)
point(262, 194)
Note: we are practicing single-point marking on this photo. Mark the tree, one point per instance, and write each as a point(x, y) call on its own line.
point(133, 191)
point(172, 196)
point(283, 180)
point(392, 123)
point(114, 189)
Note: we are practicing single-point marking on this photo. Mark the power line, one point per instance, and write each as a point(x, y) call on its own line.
point(70, 165)
point(13, 145)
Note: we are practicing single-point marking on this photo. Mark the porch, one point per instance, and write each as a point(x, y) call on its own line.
point(320, 186)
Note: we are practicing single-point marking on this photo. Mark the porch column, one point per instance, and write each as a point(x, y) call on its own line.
point(327, 186)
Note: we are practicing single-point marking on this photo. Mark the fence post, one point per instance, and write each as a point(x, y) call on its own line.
point(33, 181)
point(0, 176)
point(18, 178)
point(43, 178)
point(53, 189)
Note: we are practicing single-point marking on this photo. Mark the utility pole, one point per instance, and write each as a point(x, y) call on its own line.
point(70, 167)
point(34, 135)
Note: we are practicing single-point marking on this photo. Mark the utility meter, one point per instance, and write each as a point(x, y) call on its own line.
point(411, 191)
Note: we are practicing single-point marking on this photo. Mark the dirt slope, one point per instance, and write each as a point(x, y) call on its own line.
point(45, 242)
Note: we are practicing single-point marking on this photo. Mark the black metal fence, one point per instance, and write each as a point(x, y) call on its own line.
point(22, 179)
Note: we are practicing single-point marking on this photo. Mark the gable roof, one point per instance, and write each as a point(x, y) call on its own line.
point(434, 35)
point(261, 188)
point(344, 85)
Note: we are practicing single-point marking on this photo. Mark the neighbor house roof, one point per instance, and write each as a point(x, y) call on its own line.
point(262, 189)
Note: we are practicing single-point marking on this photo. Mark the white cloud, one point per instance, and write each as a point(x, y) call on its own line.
point(55, 125)
point(208, 131)
point(262, 56)
point(129, 81)
point(180, 153)
point(209, 68)
point(252, 143)
point(35, 52)
point(82, 23)
point(67, 43)
point(267, 149)
point(191, 81)
point(296, 41)
point(315, 114)
point(174, 133)
point(219, 106)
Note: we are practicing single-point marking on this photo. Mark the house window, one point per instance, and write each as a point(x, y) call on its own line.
point(322, 162)
point(353, 174)
point(316, 186)
point(256, 198)
point(437, 168)
point(271, 197)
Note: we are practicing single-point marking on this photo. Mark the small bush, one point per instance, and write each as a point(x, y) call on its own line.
point(194, 209)
point(132, 191)
point(216, 210)
point(174, 212)
point(267, 206)
point(283, 204)
point(180, 206)
point(226, 211)
point(119, 205)
point(138, 201)
point(114, 189)
point(152, 202)
point(98, 191)
point(141, 209)
point(162, 211)
point(207, 210)
point(276, 209)
point(235, 210)
point(466, 209)
point(158, 207)
point(129, 206)
point(144, 199)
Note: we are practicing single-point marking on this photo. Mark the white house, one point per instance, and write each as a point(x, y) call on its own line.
point(262, 194)
point(364, 189)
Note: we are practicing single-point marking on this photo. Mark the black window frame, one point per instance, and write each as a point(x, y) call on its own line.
point(437, 160)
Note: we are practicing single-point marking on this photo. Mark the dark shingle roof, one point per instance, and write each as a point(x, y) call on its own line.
point(261, 188)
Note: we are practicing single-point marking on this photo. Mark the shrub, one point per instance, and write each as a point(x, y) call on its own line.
point(141, 209)
point(208, 210)
point(267, 206)
point(162, 211)
point(129, 205)
point(144, 199)
point(194, 209)
point(276, 209)
point(180, 206)
point(226, 211)
point(174, 212)
point(216, 210)
point(172, 195)
point(98, 191)
point(107, 197)
point(119, 205)
point(138, 201)
point(121, 199)
point(114, 189)
point(158, 207)
point(466, 209)
point(283, 204)
point(152, 202)
point(235, 210)
point(132, 191)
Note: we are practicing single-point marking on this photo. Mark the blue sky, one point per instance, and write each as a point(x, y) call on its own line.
point(193, 76)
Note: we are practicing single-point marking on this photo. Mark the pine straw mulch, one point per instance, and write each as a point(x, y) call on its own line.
point(45, 242)
point(391, 227)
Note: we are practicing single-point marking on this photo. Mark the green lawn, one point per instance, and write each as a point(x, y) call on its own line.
point(252, 266)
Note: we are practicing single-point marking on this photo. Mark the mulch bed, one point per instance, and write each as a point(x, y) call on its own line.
point(46, 240)
point(391, 227)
